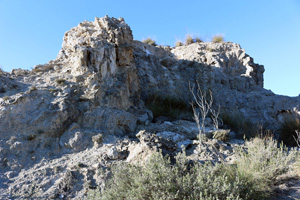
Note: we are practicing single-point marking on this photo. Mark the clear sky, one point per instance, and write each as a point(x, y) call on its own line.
point(31, 31)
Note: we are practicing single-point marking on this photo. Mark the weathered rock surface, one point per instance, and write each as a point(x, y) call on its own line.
point(91, 90)
point(63, 124)
point(92, 82)
point(224, 68)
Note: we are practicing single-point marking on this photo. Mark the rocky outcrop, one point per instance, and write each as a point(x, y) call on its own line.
point(101, 75)
point(93, 82)
point(91, 90)
point(65, 122)
point(224, 68)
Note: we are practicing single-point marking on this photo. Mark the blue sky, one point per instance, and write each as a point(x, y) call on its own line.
point(31, 31)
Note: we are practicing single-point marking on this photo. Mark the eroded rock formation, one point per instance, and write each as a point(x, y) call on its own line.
point(65, 121)
point(224, 68)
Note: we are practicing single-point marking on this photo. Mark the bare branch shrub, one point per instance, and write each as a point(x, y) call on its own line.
point(215, 117)
point(297, 138)
point(204, 103)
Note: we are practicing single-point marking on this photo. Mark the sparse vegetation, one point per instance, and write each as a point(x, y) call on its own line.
point(197, 39)
point(5, 98)
point(251, 177)
point(178, 44)
point(167, 106)
point(218, 39)
point(209, 49)
point(288, 128)
point(149, 41)
point(263, 162)
point(189, 40)
point(241, 125)
point(60, 81)
point(32, 88)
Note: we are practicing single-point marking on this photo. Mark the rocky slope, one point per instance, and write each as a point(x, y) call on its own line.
point(67, 120)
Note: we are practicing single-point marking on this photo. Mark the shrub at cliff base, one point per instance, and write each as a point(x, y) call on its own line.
point(288, 128)
point(251, 177)
point(237, 122)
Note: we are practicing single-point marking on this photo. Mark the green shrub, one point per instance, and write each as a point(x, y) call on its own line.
point(262, 163)
point(218, 39)
point(288, 128)
point(189, 40)
point(251, 177)
point(158, 179)
point(149, 41)
point(178, 44)
point(167, 106)
point(241, 125)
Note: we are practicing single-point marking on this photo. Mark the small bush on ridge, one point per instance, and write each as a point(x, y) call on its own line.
point(178, 44)
point(197, 39)
point(218, 39)
point(189, 40)
point(149, 41)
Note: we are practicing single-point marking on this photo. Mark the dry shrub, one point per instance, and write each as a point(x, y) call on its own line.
point(178, 44)
point(189, 40)
point(289, 126)
point(149, 41)
point(218, 39)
